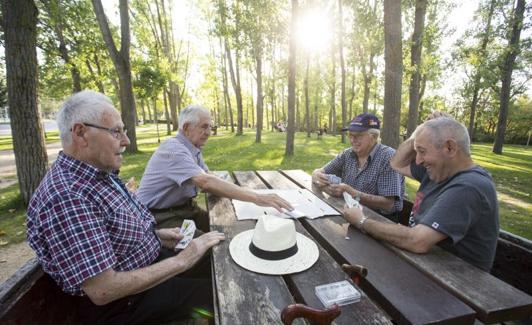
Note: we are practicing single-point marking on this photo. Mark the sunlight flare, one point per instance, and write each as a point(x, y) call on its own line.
point(314, 31)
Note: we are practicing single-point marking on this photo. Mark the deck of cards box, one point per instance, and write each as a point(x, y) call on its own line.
point(340, 293)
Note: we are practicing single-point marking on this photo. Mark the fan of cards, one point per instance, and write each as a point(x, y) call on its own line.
point(350, 201)
point(187, 230)
point(333, 179)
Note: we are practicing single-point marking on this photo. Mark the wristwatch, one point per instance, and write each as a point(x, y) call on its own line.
point(361, 224)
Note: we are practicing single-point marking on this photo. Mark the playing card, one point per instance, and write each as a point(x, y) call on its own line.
point(350, 201)
point(333, 179)
point(187, 229)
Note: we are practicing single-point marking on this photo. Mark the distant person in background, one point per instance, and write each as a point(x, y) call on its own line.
point(456, 205)
point(176, 171)
point(97, 241)
point(365, 170)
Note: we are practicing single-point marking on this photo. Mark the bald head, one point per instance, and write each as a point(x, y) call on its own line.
point(442, 129)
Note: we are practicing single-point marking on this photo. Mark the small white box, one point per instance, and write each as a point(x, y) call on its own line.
point(340, 293)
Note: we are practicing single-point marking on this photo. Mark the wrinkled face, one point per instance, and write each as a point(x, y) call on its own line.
point(361, 142)
point(199, 134)
point(105, 148)
point(430, 157)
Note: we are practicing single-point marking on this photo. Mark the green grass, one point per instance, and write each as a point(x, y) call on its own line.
point(511, 171)
point(6, 142)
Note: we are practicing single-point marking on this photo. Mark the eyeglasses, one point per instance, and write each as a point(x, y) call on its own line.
point(117, 133)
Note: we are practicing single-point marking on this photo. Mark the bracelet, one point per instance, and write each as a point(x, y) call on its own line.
point(361, 224)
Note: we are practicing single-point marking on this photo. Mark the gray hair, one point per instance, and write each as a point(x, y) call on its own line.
point(444, 128)
point(86, 106)
point(191, 115)
point(376, 133)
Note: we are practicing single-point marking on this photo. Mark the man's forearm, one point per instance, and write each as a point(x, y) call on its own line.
point(397, 235)
point(403, 157)
point(219, 187)
point(111, 285)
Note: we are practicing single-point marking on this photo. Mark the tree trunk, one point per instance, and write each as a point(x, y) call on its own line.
point(307, 101)
point(19, 23)
point(122, 65)
point(507, 69)
point(393, 72)
point(260, 99)
point(238, 93)
point(332, 114)
point(342, 66)
point(289, 149)
point(476, 78)
point(166, 114)
point(415, 63)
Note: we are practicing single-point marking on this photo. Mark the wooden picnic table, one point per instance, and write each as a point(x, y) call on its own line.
point(435, 288)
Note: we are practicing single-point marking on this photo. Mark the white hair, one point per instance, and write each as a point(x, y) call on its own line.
point(376, 133)
point(191, 115)
point(444, 128)
point(86, 106)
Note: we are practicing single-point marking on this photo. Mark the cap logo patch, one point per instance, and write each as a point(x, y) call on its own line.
point(435, 225)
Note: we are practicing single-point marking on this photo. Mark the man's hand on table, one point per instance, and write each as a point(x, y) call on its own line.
point(273, 200)
point(199, 246)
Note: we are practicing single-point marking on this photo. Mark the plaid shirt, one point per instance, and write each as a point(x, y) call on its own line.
point(376, 177)
point(81, 224)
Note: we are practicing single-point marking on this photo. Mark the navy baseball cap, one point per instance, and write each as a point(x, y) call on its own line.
point(363, 122)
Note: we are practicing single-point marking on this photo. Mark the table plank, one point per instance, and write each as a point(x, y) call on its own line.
point(407, 294)
point(243, 297)
point(326, 270)
point(493, 299)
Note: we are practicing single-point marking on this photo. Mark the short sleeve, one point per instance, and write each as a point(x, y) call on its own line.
point(417, 171)
point(180, 165)
point(336, 165)
point(77, 239)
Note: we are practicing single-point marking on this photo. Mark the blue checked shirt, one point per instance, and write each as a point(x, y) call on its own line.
point(82, 221)
point(376, 177)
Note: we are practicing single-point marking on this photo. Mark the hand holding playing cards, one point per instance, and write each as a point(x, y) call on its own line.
point(320, 178)
point(169, 236)
point(337, 189)
point(352, 215)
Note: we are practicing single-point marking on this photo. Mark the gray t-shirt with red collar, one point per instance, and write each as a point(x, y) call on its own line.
point(464, 208)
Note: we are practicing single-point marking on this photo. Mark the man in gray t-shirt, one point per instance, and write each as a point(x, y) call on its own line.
point(176, 171)
point(456, 204)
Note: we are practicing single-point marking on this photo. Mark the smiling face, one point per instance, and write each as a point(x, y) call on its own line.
point(199, 133)
point(362, 142)
point(103, 150)
point(429, 156)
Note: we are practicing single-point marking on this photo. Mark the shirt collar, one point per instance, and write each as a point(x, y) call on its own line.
point(192, 148)
point(80, 168)
point(372, 154)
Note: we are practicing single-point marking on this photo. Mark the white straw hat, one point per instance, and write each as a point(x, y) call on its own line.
point(273, 247)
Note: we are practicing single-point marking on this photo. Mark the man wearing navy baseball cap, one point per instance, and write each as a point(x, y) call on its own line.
point(363, 171)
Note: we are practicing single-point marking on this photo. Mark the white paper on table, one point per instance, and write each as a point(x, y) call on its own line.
point(305, 204)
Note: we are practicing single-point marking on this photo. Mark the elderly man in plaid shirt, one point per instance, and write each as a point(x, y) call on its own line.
point(97, 241)
point(365, 170)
